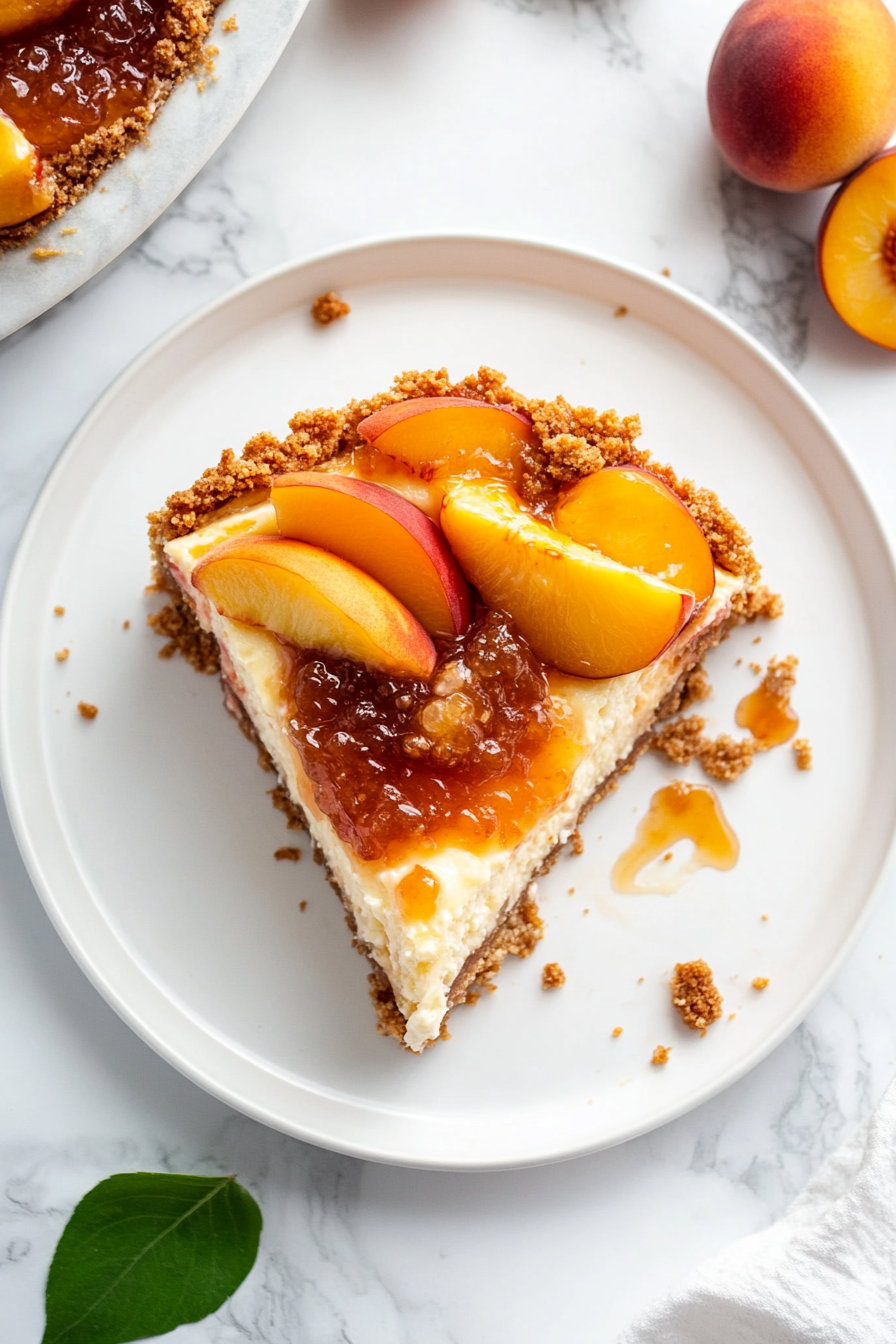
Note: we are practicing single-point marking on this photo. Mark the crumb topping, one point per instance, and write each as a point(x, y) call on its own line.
point(553, 976)
point(695, 995)
point(328, 308)
point(571, 442)
point(803, 751)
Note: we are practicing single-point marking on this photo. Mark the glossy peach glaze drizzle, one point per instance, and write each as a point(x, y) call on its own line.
point(677, 812)
point(61, 80)
point(418, 893)
point(769, 717)
point(473, 759)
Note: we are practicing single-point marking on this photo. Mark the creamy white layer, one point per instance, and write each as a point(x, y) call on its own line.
point(423, 957)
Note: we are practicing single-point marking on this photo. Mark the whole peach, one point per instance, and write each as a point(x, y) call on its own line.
point(803, 91)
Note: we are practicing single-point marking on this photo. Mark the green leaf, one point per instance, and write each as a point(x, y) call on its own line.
point(146, 1252)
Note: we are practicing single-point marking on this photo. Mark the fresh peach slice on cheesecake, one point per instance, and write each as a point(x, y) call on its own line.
point(381, 533)
point(26, 188)
point(580, 611)
point(447, 436)
point(18, 14)
point(631, 516)
point(315, 600)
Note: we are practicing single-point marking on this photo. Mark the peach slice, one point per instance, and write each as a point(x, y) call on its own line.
point(445, 436)
point(633, 517)
point(857, 251)
point(18, 14)
point(381, 533)
point(315, 600)
point(580, 611)
point(25, 189)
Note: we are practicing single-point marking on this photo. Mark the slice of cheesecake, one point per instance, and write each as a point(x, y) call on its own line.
point(450, 616)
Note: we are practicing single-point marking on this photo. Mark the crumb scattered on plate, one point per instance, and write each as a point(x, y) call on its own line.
point(125, 625)
point(59, 611)
point(617, 1031)
point(289, 852)
point(661, 1054)
point(621, 311)
point(553, 976)
point(87, 711)
point(695, 996)
point(303, 905)
point(761, 982)
point(230, 25)
point(803, 750)
point(328, 308)
point(62, 654)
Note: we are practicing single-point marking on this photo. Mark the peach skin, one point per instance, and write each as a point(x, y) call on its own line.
point(25, 188)
point(383, 534)
point(316, 601)
point(631, 516)
point(581, 612)
point(443, 436)
point(857, 251)
point(803, 91)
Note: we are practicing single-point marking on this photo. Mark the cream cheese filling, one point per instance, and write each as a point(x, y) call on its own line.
point(423, 957)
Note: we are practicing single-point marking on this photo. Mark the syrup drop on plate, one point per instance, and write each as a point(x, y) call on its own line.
point(769, 717)
point(677, 812)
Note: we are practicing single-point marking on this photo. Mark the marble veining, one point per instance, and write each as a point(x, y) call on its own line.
point(579, 120)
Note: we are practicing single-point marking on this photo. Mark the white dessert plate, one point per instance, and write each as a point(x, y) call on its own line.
point(186, 133)
point(148, 832)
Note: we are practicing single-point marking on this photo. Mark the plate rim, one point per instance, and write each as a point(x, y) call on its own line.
point(382, 1152)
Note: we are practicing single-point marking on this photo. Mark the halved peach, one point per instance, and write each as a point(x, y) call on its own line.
point(383, 534)
point(580, 611)
point(446, 436)
point(315, 600)
point(857, 251)
point(633, 517)
point(25, 188)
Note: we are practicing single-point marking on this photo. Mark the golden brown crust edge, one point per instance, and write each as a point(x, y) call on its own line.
point(178, 53)
point(573, 441)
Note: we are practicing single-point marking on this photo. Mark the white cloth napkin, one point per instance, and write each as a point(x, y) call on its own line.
point(824, 1274)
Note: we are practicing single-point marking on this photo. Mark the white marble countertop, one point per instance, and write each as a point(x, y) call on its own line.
point(582, 121)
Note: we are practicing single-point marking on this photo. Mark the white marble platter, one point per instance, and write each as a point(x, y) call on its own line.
point(148, 834)
point(189, 128)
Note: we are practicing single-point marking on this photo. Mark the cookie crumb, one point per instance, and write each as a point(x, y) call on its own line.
point(617, 1031)
point(65, 233)
point(621, 311)
point(571, 892)
point(695, 996)
point(732, 1016)
point(578, 844)
point(125, 625)
point(45, 253)
point(553, 976)
point(288, 852)
point(59, 611)
point(665, 271)
point(230, 25)
point(761, 982)
point(758, 639)
point(755, 668)
point(328, 308)
point(803, 750)
point(303, 905)
point(640, 979)
point(86, 710)
point(661, 1054)
point(62, 654)
point(765, 918)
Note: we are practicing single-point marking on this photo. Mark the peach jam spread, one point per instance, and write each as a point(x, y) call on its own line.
point(61, 80)
point(472, 759)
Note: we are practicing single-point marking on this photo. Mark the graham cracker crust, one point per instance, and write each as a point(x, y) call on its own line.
point(179, 52)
